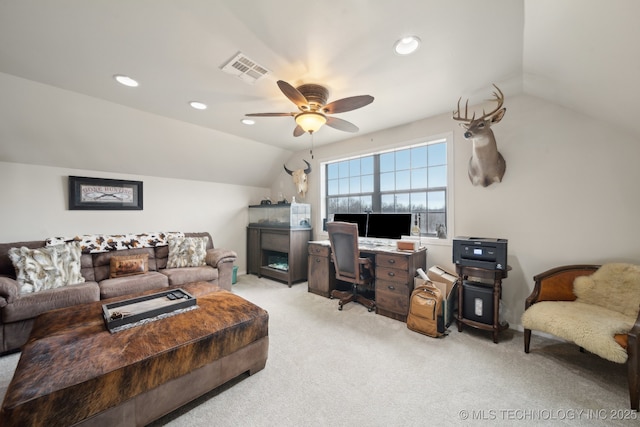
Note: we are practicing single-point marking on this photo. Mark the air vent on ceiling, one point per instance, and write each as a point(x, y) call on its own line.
point(245, 69)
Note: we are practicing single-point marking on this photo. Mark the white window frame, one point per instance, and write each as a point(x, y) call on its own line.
point(447, 137)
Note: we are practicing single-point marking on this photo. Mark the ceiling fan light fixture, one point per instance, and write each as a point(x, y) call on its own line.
point(407, 45)
point(310, 121)
point(248, 122)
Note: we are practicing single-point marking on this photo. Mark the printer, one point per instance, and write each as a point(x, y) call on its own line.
point(480, 252)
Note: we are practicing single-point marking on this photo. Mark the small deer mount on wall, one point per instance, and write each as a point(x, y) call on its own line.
point(300, 178)
point(486, 165)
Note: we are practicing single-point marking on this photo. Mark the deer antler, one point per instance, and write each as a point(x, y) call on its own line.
point(466, 118)
point(499, 98)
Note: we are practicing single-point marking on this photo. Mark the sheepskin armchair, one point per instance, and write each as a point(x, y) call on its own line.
point(596, 307)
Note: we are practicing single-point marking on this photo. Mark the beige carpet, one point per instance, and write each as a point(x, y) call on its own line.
point(332, 368)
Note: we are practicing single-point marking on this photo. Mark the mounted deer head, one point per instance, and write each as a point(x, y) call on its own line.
point(486, 165)
point(300, 178)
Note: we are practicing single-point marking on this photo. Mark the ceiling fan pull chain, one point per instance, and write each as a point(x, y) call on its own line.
point(311, 151)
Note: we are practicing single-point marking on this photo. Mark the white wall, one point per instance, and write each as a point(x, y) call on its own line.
point(35, 200)
point(569, 194)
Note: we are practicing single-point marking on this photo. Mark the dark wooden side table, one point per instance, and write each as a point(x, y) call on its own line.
point(496, 276)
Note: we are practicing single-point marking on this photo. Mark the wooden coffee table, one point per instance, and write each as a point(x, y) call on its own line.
point(73, 371)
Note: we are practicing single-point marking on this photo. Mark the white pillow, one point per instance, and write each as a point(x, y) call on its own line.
point(187, 251)
point(46, 268)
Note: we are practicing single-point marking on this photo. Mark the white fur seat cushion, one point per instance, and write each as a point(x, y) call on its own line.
point(587, 325)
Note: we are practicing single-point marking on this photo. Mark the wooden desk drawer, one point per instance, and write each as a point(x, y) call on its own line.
point(392, 261)
point(319, 250)
point(275, 242)
point(392, 274)
point(393, 299)
point(399, 289)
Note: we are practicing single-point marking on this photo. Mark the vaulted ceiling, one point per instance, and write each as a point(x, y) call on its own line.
point(583, 54)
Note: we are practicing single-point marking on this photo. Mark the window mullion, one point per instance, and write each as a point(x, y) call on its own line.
point(376, 201)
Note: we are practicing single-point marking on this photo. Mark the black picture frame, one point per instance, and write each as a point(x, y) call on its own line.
point(87, 193)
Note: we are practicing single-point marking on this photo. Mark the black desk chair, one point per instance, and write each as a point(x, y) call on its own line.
point(349, 266)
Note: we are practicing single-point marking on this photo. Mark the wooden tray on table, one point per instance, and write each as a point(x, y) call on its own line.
point(127, 312)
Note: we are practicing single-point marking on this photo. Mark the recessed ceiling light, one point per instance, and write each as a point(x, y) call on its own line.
point(198, 105)
point(248, 122)
point(406, 45)
point(125, 80)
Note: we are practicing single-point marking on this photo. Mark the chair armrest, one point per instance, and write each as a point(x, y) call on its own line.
point(557, 284)
point(366, 263)
point(9, 290)
point(215, 257)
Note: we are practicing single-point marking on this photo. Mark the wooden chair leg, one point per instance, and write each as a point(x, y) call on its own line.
point(527, 340)
point(633, 371)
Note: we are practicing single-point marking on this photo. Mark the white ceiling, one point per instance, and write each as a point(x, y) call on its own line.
point(583, 54)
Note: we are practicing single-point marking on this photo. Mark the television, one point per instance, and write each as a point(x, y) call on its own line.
point(378, 225)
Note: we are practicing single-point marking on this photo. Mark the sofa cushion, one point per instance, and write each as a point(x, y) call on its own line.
point(118, 286)
point(180, 276)
point(129, 265)
point(615, 286)
point(47, 267)
point(187, 251)
point(29, 306)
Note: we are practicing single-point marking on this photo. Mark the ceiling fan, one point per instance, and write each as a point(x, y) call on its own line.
point(311, 100)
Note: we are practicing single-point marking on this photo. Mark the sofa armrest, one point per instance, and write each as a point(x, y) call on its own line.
point(557, 284)
point(9, 290)
point(217, 256)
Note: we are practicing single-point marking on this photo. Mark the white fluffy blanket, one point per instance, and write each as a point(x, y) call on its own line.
point(607, 304)
point(614, 286)
point(589, 326)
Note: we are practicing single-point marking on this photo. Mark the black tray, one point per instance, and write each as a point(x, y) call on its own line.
point(133, 310)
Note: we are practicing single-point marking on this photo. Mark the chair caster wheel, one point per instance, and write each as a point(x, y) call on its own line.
point(339, 308)
point(370, 309)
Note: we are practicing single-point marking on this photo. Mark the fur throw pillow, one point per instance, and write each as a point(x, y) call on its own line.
point(46, 268)
point(187, 251)
point(614, 286)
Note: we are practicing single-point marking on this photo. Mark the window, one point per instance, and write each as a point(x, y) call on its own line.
point(412, 179)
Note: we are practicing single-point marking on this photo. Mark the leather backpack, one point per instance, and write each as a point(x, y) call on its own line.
point(425, 311)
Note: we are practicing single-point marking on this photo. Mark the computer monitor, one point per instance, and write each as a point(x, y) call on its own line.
point(389, 225)
point(360, 219)
point(378, 225)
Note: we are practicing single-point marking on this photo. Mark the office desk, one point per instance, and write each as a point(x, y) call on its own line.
point(394, 274)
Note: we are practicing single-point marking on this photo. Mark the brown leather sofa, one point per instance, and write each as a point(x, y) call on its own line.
point(18, 311)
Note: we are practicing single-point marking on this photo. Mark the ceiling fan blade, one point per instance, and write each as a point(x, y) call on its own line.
point(298, 131)
point(347, 104)
point(269, 114)
point(293, 94)
point(340, 124)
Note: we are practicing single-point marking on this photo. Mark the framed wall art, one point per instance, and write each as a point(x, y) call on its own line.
point(104, 194)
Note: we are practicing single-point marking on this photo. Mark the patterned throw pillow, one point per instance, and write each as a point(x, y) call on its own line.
point(187, 251)
point(46, 268)
point(128, 265)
